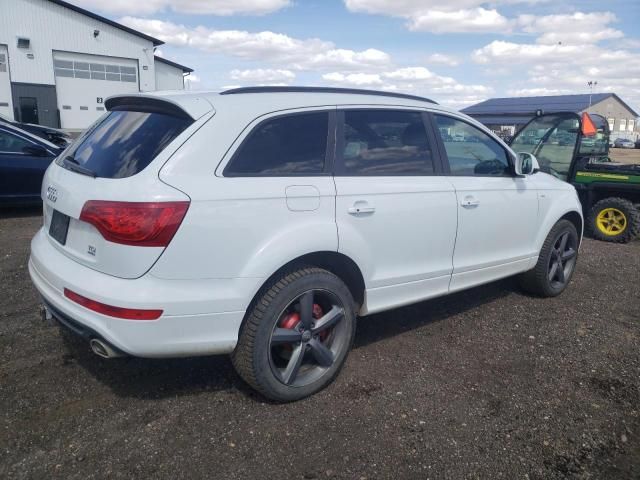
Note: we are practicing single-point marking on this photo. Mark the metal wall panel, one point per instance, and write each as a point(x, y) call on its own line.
point(51, 27)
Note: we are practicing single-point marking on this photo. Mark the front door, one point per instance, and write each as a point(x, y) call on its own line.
point(21, 171)
point(28, 109)
point(396, 218)
point(497, 212)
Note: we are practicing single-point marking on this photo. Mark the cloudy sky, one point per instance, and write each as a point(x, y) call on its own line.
point(457, 52)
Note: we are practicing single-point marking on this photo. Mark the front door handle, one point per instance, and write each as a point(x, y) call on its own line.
point(470, 201)
point(360, 208)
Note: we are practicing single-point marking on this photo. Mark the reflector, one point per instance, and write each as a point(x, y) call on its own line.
point(111, 311)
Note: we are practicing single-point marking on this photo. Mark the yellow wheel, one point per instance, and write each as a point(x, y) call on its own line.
point(611, 222)
point(614, 219)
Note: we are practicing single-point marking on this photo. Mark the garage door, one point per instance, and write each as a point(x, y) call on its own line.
point(84, 81)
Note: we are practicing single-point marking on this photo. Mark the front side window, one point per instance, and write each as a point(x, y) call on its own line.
point(291, 145)
point(385, 142)
point(10, 143)
point(470, 151)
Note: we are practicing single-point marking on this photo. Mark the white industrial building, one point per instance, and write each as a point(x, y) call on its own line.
point(58, 63)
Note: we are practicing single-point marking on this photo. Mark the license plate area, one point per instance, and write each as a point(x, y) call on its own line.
point(59, 227)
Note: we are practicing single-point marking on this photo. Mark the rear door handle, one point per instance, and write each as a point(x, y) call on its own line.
point(360, 208)
point(470, 201)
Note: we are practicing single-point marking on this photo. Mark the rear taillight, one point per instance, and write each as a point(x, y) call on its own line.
point(110, 310)
point(143, 224)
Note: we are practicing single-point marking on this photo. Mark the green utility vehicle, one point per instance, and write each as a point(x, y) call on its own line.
point(576, 149)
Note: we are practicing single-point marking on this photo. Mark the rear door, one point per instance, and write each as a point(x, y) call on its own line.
point(117, 161)
point(497, 211)
point(396, 217)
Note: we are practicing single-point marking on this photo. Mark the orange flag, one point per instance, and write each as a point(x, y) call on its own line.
point(588, 127)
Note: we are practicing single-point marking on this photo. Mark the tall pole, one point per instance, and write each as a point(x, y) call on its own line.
point(591, 83)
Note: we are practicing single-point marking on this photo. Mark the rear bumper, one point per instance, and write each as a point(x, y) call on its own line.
point(201, 317)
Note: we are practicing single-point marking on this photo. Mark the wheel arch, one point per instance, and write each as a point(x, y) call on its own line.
point(337, 263)
point(578, 222)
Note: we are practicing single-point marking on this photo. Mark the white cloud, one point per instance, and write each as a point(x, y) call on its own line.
point(577, 28)
point(474, 16)
point(442, 59)
point(417, 80)
point(258, 75)
point(557, 69)
point(295, 54)
point(409, 8)
point(202, 7)
point(458, 16)
point(355, 79)
point(500, 51)
point(475, 20)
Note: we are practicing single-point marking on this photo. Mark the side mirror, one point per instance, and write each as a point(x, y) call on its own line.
point(35, 151)
point(526, 164)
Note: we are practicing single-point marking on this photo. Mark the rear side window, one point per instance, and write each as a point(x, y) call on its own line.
point(292, 145)
point(385, 142)
point(470, 151)
point(123, 143)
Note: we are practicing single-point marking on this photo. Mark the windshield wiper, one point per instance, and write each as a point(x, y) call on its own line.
point(72, 164)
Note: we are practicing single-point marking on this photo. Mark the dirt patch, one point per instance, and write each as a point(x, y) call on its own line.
point(488, 383)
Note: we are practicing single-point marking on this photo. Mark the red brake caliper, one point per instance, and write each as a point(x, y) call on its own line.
point(291, 320)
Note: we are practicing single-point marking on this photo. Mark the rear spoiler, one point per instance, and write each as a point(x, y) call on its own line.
point(191, 108)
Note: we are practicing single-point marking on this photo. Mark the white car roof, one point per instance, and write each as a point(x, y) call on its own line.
point(261, 100)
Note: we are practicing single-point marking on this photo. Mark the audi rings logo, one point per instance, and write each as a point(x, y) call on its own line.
point(52, 194)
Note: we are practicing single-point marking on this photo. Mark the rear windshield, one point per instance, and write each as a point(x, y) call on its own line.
point(123, 143)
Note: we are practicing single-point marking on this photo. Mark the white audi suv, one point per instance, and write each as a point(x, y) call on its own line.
point(262, 221)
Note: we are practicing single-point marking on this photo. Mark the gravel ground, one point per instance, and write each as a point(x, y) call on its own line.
point(488, 383)
point(625, 155)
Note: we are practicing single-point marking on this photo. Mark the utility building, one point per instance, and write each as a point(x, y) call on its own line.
point(509, 114)
point(59, 62)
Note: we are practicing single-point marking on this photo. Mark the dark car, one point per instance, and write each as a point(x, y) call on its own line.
point(55, 136)
point(23, 161)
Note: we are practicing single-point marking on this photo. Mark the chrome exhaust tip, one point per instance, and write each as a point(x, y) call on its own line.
point(103, 349)
point(46, 316)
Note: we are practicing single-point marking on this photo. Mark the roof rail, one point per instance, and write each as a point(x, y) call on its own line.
point(235, 91)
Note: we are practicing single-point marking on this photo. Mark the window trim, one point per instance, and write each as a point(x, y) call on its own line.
point(339, 168)
point(330, 147)
point(445, 156)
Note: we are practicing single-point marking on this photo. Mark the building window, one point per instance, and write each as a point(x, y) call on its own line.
point(93, 71)
point(3, 63)
point(611, 122)
point(631, 125)
point(623, 124)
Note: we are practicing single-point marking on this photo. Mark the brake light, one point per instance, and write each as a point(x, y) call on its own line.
point(118, 312)
point(142, 224)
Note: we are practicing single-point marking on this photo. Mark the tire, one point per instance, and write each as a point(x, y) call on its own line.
point(287, 358)
point(544, 280)
point(624, 215)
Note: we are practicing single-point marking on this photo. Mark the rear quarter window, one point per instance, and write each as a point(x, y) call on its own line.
point(288, 145)
point(123, 143)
